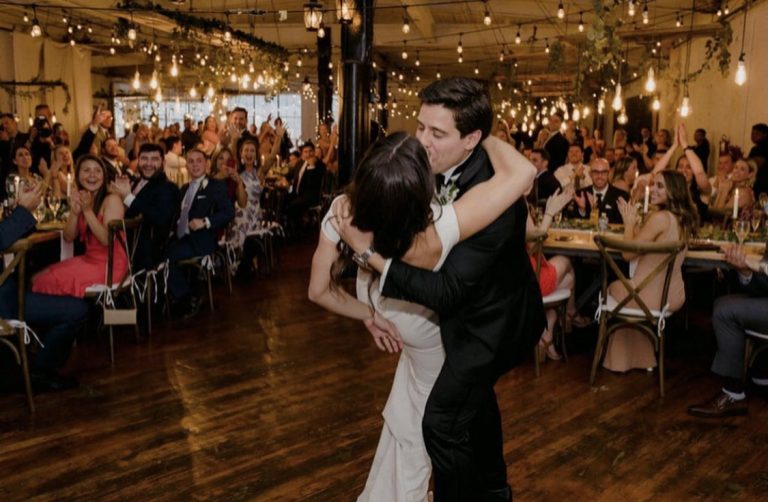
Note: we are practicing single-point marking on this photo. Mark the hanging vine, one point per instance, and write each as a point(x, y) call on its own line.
point(715, 51)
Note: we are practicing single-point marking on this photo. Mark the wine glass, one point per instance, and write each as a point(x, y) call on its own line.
point(53, 203)
point(741, 229)
point(558, 218)
point(757, 217)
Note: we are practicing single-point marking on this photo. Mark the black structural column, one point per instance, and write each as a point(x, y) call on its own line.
point(356, 41)
point(325, 84)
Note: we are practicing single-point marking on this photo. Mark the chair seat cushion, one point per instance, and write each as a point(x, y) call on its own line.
point(756, 334)
point(611, 303)
point(557, 295)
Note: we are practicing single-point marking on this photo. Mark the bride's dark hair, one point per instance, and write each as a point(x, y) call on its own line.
point(390, 195)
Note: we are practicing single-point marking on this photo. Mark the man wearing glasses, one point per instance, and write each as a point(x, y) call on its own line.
point(601, 194)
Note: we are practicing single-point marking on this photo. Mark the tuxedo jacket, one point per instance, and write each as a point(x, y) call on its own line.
point(14, 227)
point(557, 148)
point(544, 185)
point(210, 201)
point(311, 183)
point(157, 203)
point(610, 204)
point(487, 296)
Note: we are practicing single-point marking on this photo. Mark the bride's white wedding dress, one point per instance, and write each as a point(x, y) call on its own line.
point(401, 467)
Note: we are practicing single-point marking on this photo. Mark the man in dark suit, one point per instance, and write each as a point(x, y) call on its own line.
point(488, 299)
point(96, 132)
point(60, 316)
point(156, 200)
point(545, 183)
point(556, 145)
point(601, 194)
point(205, 209)
point(306, 185)
point(10, 139)
point(733, 314)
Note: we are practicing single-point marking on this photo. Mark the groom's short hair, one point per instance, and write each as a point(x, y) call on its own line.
point(467, 99)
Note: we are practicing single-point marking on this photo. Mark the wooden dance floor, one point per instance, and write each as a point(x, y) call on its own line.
point(270, 398)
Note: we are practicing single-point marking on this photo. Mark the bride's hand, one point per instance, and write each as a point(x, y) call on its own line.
point(356, 239)
point(385, 333)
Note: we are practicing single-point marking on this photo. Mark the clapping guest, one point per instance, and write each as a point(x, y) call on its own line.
point(733, 314)
point(574, 173)
point(92, 207)
point(601, 195)
point(22, 162)
point(555, 272)
point(205, 210)
point(722, 177)
point(740, 178)
point(674, 218)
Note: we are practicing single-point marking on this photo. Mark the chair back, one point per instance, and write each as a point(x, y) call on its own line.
point(609, 247)
point(18, 262)
point(117, 232)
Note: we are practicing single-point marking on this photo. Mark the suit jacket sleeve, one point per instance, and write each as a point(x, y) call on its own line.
point(159, 210)
point(16, 226)
point(464, 269)
point(85, 144)
point(758, 286)
point(223, 209)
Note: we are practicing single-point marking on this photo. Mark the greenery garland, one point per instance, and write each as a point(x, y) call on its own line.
point(10, 86)
point(715, 49)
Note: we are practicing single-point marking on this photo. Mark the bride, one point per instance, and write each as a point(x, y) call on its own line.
point(393, 196)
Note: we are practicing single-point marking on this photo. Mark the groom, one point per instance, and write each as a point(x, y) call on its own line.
point(486, 294)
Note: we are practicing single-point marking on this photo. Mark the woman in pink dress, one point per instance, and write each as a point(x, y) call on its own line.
point(91, 207)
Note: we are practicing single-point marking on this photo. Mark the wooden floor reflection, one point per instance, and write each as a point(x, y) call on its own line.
point(270, 398)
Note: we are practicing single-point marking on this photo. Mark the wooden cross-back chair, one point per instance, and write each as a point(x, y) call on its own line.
point(18, 262)
point(124, 284)
point(558, 300)
point(614, 314)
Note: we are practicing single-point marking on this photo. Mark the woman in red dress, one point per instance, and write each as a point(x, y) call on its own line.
point(91, 208)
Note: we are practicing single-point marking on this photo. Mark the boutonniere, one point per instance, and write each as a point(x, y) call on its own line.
point(204, 183)
point(447, 193)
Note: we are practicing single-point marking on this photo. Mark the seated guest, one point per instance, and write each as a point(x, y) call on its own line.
point(175, 165)
point(733, 314)
point(575, 173)
point(759, 154)
point(92, 207)
point(723, 175)
point(10, 139)
point(113, 158)
point(601, 195)
point(61, 166)
point(205, 210)
point(306, 185)
point(740, 178)
point(610, 156)
point(22, 161)
point(545, 184)
point(619, 152)
point(155, 199)
point(95, 134)
point(555, 272)
point(624, 174)
point(60, 316)
point(691, 167)
point(224, 168)
point(674, 218)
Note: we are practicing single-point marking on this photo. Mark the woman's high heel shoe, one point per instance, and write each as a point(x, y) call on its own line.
point(547, 350)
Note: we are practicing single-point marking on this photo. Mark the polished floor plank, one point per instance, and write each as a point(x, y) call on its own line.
point(271, 398)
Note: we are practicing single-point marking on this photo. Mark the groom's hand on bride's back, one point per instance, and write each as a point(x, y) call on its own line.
point(385, 333)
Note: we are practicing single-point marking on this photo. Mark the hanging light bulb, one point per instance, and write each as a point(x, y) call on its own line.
point(685, 106)
point(36, 31)
point(501, 55)
point(159, 96)
point(132, 34)
point(600, 105)
point(404, 55)
point(617, 104)
point(546, 48)
point(418, 61)
point(461, 59)
point(650, 82)
point(622, 118)
point(518, 39)
point(112, 51)
point(678, 20)
point(460, 47)
point(153, 81)
point(487, 16)
point(321, 31)
point(406, 22)
point(586, 112)
point(211, 92)
point(477, 70)
point(26, 18)
point(233, 78)
point(656, 105)
point(645, 13)
point(631, 9)
point(299, 62)
point(581, 22)
point(560, 11)
point(136, 80)
point(741, 71)
point(193, 92)
point(576, 114)
point(438, 76)
point(726, 10)
point(227, 36)
point(174, 68)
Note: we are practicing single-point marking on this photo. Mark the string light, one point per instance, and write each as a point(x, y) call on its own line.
point(741, 68)
point(546, 48)
point(487, 16)
point(678, 20)
point(656, 105)
point(159, 96)
point(560, 11)
point(36, 31)
point(406, 22)
point(518, 39)
point(477, 70)
point(460, 47)
point(645, 12)
point(461, 58)
point(631, 9)
point(153, 81)
point(299, 62)
point(174, 68)
point(617, 103)
point(26, 18)
point(211, 92)
point(726, 10)
point(501, 55)
point(112, 51)
point(438, 76)
point(193, 92)
point(136, 80)
point(581, 22)
point(685, 106)
point(650, 82)
point(321, 31)
point(622, 118)
point(418, 61)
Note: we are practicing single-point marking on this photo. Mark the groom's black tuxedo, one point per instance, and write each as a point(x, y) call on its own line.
point(491, 315)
